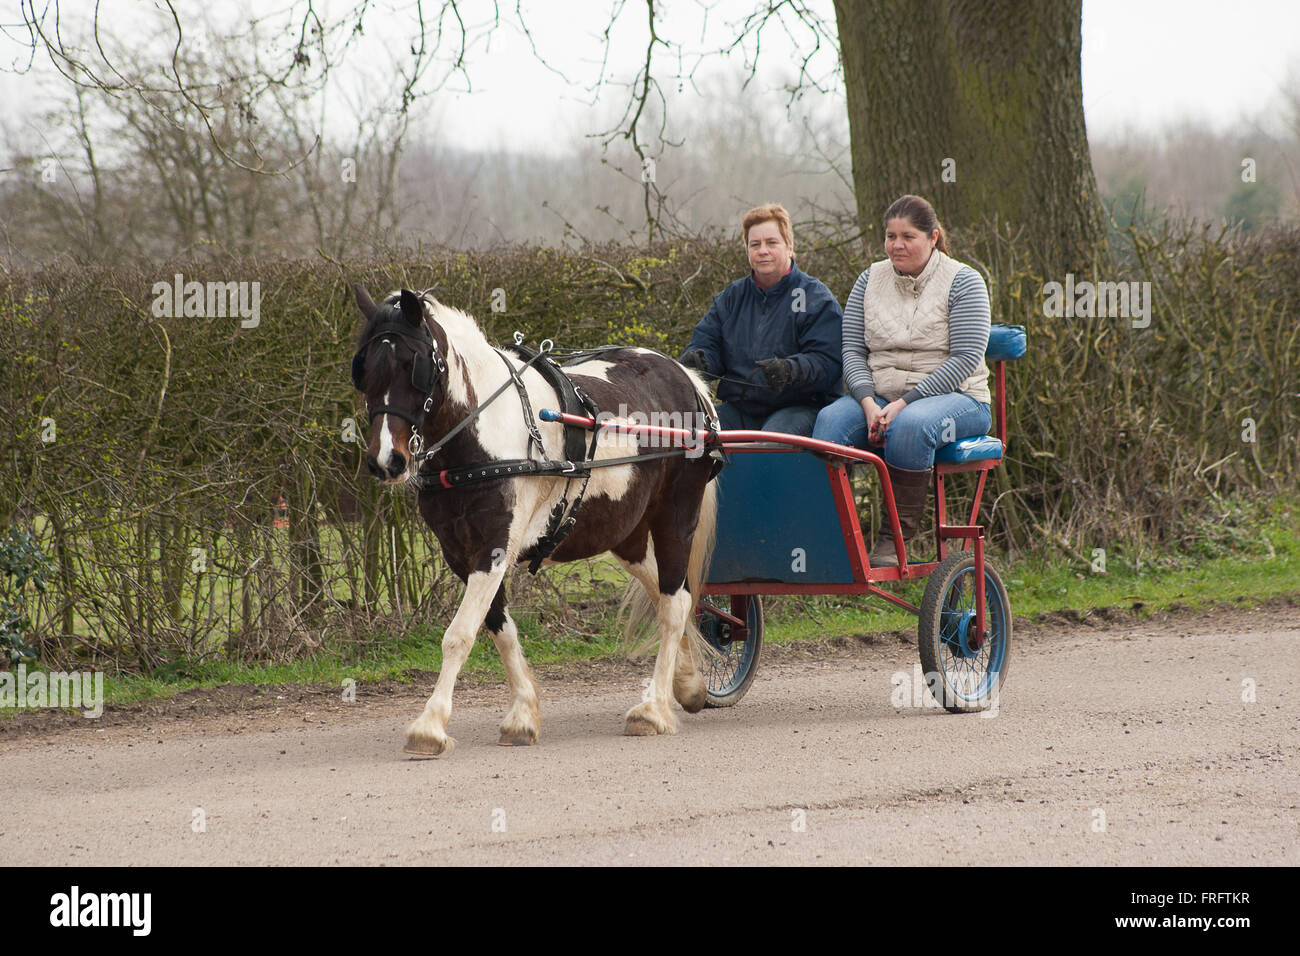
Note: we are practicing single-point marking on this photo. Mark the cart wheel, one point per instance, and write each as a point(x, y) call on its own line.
point(730, 668)
point(965, 678)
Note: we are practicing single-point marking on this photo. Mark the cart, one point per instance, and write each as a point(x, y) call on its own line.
point(787, 524)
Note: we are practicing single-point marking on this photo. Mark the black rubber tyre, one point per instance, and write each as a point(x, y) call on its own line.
point(962, 679)
point(732, 665)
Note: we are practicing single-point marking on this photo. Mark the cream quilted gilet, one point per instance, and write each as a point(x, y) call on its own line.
point(906, 321)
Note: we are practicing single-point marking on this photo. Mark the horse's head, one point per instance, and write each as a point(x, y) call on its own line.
point(400, 369)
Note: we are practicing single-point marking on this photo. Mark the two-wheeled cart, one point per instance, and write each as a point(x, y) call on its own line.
point(788, 524)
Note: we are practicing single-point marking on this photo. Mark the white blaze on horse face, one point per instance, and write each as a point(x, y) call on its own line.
point(385, 440)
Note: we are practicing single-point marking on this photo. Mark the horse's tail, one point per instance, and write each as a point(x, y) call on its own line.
point(705, 536)
point(637, 609)
point(698, 566)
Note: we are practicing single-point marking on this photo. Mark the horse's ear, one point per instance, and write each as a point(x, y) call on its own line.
point(364, 302)
point(412, 307)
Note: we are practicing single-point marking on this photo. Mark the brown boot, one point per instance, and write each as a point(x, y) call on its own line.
point(910, 489)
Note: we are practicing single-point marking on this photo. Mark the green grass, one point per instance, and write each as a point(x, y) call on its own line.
point(1036, 586)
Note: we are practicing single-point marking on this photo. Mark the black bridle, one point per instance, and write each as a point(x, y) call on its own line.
point(428, 371)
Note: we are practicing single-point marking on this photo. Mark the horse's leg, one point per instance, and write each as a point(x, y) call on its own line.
point(523, 722)
point(688, 685)
point(646, 718)
point(427, 734)
point(654, 715)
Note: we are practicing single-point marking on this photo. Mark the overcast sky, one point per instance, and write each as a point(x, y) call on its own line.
point(1146, 63)
point(1154, 62)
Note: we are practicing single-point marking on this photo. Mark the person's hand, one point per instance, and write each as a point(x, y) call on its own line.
point(890, 412)
point(875, 430)
point(779, 372)
point(695, 359)
point(879, 419)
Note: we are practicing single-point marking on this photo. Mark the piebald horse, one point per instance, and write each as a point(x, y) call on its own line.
point(423, 368)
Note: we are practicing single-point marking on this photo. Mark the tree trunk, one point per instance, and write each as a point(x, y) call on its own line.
point(977, 105)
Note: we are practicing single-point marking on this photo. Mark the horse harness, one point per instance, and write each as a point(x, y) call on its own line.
point(579, 454)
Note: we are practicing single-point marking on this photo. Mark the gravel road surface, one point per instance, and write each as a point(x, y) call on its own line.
point(1117, 742)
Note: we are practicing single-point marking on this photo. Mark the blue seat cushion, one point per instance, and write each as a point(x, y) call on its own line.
point(1005, 342)
point(978, 448)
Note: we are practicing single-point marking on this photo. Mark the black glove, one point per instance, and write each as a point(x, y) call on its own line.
point(779, 372)
point(695, 359)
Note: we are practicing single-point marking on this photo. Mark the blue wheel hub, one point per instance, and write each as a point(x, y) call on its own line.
point(958, 629)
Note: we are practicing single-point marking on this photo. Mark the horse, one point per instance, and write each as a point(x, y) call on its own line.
point(424, 369)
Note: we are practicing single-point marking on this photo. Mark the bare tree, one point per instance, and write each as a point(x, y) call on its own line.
point(1001, 97)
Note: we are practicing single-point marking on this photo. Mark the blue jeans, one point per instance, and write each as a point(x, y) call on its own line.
point(912, 437)
point(794, 420)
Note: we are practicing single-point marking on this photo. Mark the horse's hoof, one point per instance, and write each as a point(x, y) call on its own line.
point(429, 745)
point(645, 720)
point(695, 704)
point(693, 696)
point(639, 727)
point(518, 737)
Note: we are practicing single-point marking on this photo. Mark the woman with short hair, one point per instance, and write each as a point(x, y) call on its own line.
point(772, 339)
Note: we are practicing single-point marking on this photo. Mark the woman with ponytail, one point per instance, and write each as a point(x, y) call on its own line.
point(916, 327)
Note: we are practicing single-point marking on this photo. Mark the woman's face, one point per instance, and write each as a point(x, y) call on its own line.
point(908, 247)
point(769, 254)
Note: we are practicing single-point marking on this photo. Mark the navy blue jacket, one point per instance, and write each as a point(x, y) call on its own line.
point(746, 324)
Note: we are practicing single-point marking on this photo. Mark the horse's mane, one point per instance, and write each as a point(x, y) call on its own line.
point(468, 348)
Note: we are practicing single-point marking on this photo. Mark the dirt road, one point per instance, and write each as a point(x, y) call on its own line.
point(1126, 742)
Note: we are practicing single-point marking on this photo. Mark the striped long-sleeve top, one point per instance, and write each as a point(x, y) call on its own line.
point(968, 336)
